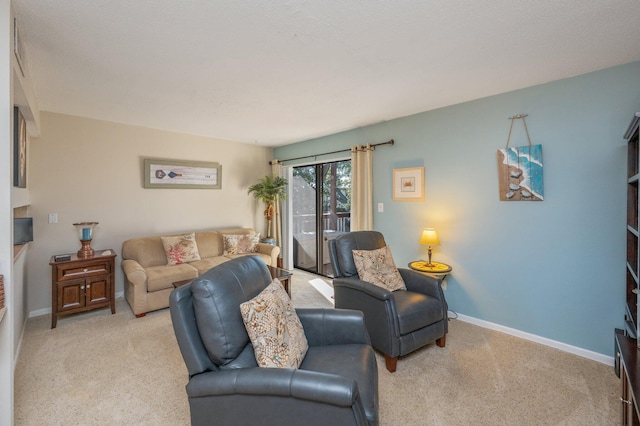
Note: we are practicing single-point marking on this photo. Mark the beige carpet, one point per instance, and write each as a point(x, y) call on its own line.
point(103, 369)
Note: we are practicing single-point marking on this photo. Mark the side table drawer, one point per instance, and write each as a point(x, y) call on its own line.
point(75, 271)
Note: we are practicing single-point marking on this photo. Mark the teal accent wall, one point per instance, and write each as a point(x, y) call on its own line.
point(554, 268)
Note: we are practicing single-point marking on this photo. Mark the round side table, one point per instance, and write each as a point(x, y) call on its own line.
point(436, 268)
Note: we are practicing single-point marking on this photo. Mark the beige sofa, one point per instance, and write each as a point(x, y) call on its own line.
point(148, 280)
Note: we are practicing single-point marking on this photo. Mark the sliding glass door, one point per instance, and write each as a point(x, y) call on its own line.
point(321, 204)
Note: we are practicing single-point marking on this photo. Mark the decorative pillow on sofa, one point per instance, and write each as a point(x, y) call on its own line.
point(274, 328)
point(180, 249)
point(377, 267)
point(240, 244)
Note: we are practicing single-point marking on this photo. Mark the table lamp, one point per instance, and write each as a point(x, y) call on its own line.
point(429, 238)
point(85, 233)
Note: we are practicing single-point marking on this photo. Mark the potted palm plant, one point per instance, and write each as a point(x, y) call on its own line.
point(268, 190)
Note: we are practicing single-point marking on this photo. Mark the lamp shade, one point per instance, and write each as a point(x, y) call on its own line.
point(429, 237)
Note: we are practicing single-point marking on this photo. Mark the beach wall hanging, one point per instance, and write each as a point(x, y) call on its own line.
point(520, 169)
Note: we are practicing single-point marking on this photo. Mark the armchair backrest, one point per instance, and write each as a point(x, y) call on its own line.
point(206, 315)
point(341, 250)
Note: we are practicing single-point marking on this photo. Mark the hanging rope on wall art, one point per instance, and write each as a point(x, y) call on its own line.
point(520, 169)
point(517, 117)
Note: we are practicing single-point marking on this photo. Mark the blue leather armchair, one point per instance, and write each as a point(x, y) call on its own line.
point(398, 322)
point(337, 382)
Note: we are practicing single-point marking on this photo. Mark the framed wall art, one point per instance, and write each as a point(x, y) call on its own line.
point(520, 169)
point(19, 149)
point(17, 46)
point(408, 184)
point(163, 173)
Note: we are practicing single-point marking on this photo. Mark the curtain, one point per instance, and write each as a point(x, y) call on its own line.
point(362, 188)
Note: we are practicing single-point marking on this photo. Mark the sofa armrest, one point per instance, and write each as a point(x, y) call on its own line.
point(286, 382)
point(134, 272)
point(421, 283)
point(363, 286)
point(270, 250)
point(135, 285)
point(324, 327)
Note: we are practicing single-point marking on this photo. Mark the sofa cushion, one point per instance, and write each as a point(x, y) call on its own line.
point(147, 251)
point(163, 277)
point(265, 257)
point(204, 264)
point(377, 267)
point(240, 244)
point(274, 328)
point(416, 310)
point(180, 249)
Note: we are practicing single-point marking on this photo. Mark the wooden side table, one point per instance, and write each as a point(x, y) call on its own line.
point(82, 284)
point(283, 275)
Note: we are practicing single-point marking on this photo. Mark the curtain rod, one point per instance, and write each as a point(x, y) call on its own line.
point(389, 142)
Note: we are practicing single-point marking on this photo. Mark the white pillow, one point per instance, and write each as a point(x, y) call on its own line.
point(180, 249)
point(240, 244)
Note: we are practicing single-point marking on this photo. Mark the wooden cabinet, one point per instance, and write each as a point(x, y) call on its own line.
point(79, 285)
point(633, 178)
point(627, 355)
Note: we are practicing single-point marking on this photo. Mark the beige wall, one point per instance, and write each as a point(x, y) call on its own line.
point(91, 170)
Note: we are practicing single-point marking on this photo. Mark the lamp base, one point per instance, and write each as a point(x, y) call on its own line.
point(85, 251)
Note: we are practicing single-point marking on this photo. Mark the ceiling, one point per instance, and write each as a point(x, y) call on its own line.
point(281, 71)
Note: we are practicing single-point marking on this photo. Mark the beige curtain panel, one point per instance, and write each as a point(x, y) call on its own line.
point(362, 188)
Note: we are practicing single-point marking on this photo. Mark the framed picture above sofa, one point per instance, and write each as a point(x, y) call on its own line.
point(164, 173)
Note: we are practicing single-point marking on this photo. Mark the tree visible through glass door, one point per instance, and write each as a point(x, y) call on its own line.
point(324, 188)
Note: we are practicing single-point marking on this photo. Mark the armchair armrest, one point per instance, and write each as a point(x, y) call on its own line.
point(270, 250)
point(421, 283)
point(301, 384)
point(324, 327)
point(363, 286)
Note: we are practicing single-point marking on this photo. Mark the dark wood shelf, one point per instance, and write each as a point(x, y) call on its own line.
point(627, 351)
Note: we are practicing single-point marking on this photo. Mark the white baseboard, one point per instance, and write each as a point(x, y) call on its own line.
point(47, 311)
point(595, 356)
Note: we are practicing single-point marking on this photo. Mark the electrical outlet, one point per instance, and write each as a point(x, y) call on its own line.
point(380, 207)
point(53, 217)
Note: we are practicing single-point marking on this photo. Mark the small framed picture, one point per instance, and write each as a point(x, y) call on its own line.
point(408, 184)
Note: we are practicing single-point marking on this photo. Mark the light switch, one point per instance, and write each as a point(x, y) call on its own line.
point(53, 217)
point(380, 207)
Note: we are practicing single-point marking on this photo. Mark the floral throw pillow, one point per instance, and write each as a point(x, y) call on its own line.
point(180, 249)
point(274, 328)
point(377, 267)
point(240, 244)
